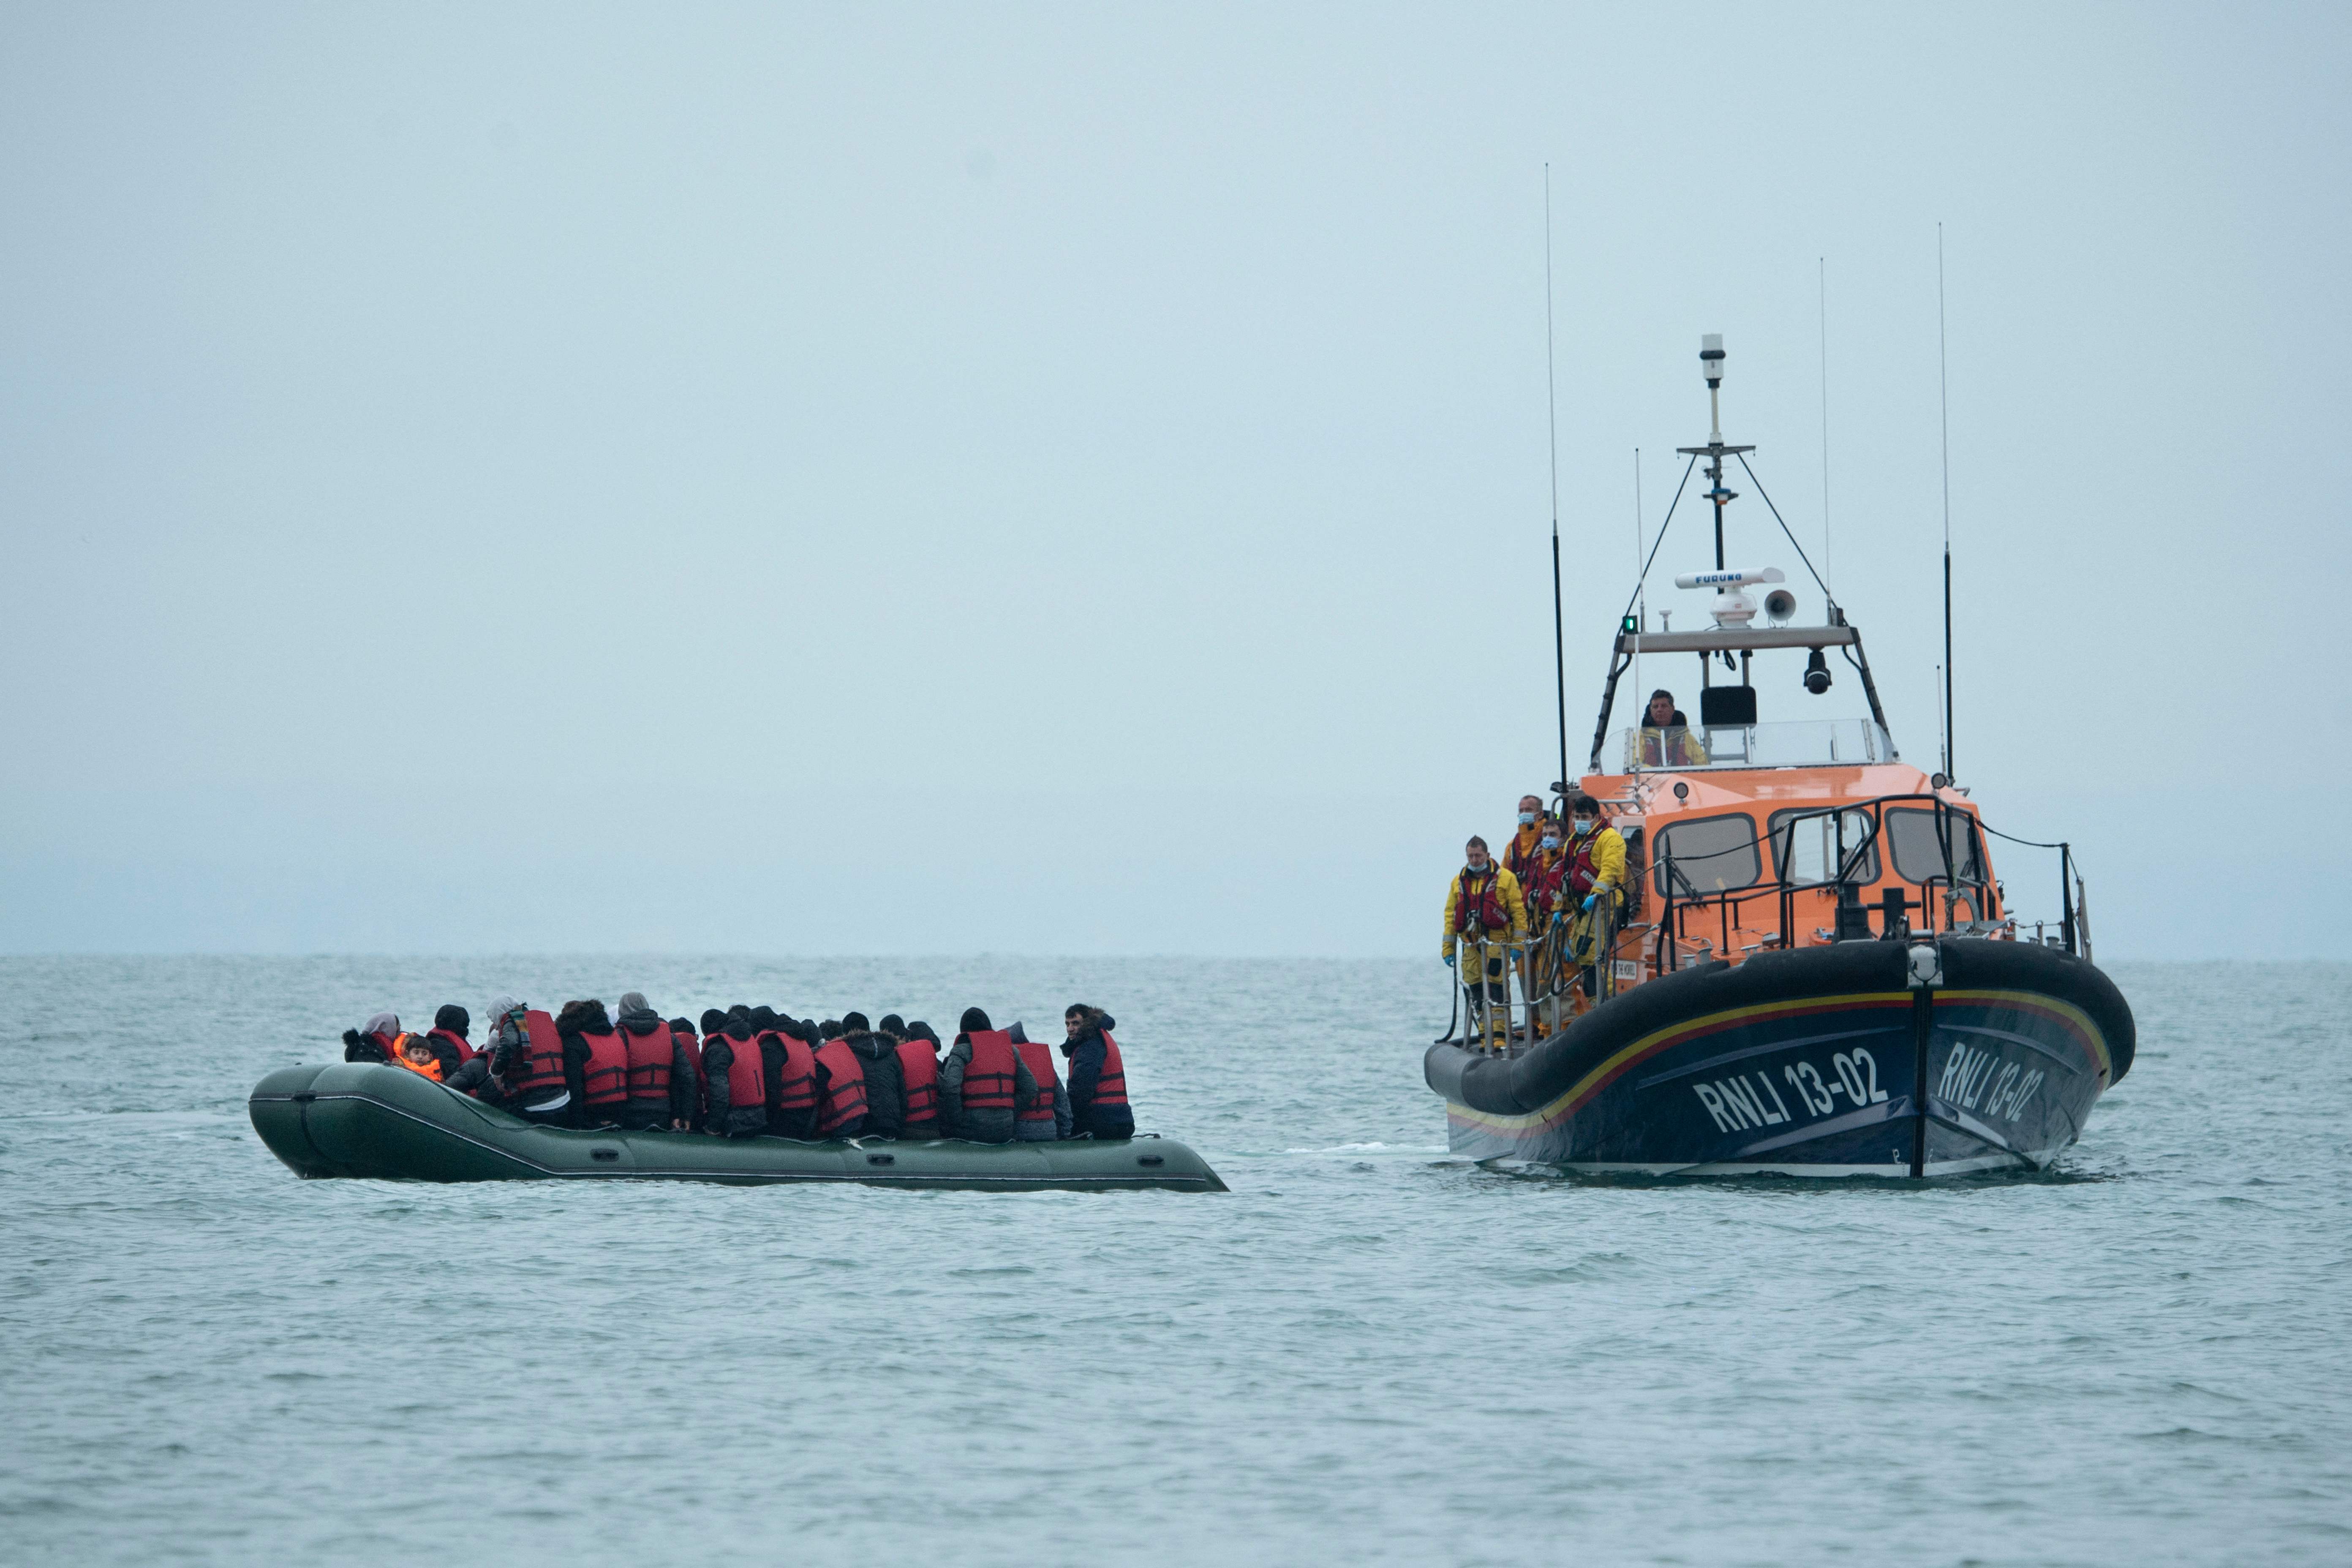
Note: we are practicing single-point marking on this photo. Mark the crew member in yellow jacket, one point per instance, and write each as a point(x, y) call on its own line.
point(1593, 889)
point(1486, 926)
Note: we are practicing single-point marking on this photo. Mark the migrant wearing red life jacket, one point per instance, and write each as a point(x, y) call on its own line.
point(456, 1041)
point(647, 1062)
point(845, 1093)
point(607, 1071)
point(988, 1079)
point(1484, 906)
point(799, 1091)
point(1040, 1058)
point(1111, 1088)
point(746, 1075)
point(922, 1071)
point(543, 1058)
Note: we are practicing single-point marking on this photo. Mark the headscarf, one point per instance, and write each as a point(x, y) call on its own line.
point(385, 1024)
point(974, 1020)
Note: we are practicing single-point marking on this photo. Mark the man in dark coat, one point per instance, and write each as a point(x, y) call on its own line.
point(885, 1084)
point(724, 1036)
point(1086, 1053)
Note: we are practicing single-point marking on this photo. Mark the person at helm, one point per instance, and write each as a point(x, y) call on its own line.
point(1667, 739)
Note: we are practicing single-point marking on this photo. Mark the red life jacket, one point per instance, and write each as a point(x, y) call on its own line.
point(1111, 1088)
point(800, 1072)
point(1542, 879)
point(465, 1051)
point(391, 1043)
point(1484, 906)
point(1577, 852)
point(845, 1094)
point(987, 1077)
point(607, 1072)
point(1517, 860)
point(747, 1076)
point(648, 1062)
point(1041, 1068)
point(542, 1057)
point(921, 1071)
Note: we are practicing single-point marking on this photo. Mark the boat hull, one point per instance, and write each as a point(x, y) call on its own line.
point(1826, 1061)
point(368, 1120)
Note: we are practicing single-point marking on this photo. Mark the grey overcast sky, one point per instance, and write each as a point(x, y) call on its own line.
point(959, 479)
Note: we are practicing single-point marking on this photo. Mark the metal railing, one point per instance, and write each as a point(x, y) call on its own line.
point(1532, 996)
point(1539, 974)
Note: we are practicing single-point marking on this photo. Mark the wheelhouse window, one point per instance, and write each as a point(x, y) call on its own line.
point(1709, 855)
point(1805, 845)
point(1919, 845)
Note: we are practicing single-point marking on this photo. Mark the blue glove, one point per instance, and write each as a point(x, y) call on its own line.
point(1518, 954)
point(1590, 899)
point(1449, 961)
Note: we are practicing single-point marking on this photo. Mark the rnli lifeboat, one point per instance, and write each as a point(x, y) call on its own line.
point(1814, 968)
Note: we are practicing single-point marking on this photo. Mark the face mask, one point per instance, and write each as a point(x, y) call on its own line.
point(1551, 840)
point(1587, 823)
point(1527, 819)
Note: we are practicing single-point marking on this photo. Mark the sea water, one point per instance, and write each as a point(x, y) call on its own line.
point(1368, 1352)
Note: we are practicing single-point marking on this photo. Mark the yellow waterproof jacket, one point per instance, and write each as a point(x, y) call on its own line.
point(1608, 862)
point(1675, 748)
point(1507, 889)
point(1522, 852)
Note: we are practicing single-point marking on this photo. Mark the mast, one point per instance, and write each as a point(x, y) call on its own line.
point(1943, 399)
point(1551, 421)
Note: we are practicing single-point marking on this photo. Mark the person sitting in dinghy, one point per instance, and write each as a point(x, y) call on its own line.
point(1667, 739)
point(984, 1082)
point(372, 1041)
point(1098, 1107)
point(417, 1055)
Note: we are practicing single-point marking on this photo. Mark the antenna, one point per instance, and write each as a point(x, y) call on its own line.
point(1642, 582)
point(1551, 422)
point(1944, 394)
point(1825, 420)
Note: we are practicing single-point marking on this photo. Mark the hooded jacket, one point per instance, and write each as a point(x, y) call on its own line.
point(719, 1052)
point(685, 1090)
point(980, 1126)
point(1086, 1055)
point(886, 1083)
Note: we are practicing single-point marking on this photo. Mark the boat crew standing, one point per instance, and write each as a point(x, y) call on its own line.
point(1593, 891)
point(1526, 839)
point(1485, 924)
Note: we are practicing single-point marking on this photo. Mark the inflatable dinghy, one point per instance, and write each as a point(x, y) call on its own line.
point(366, 1120)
